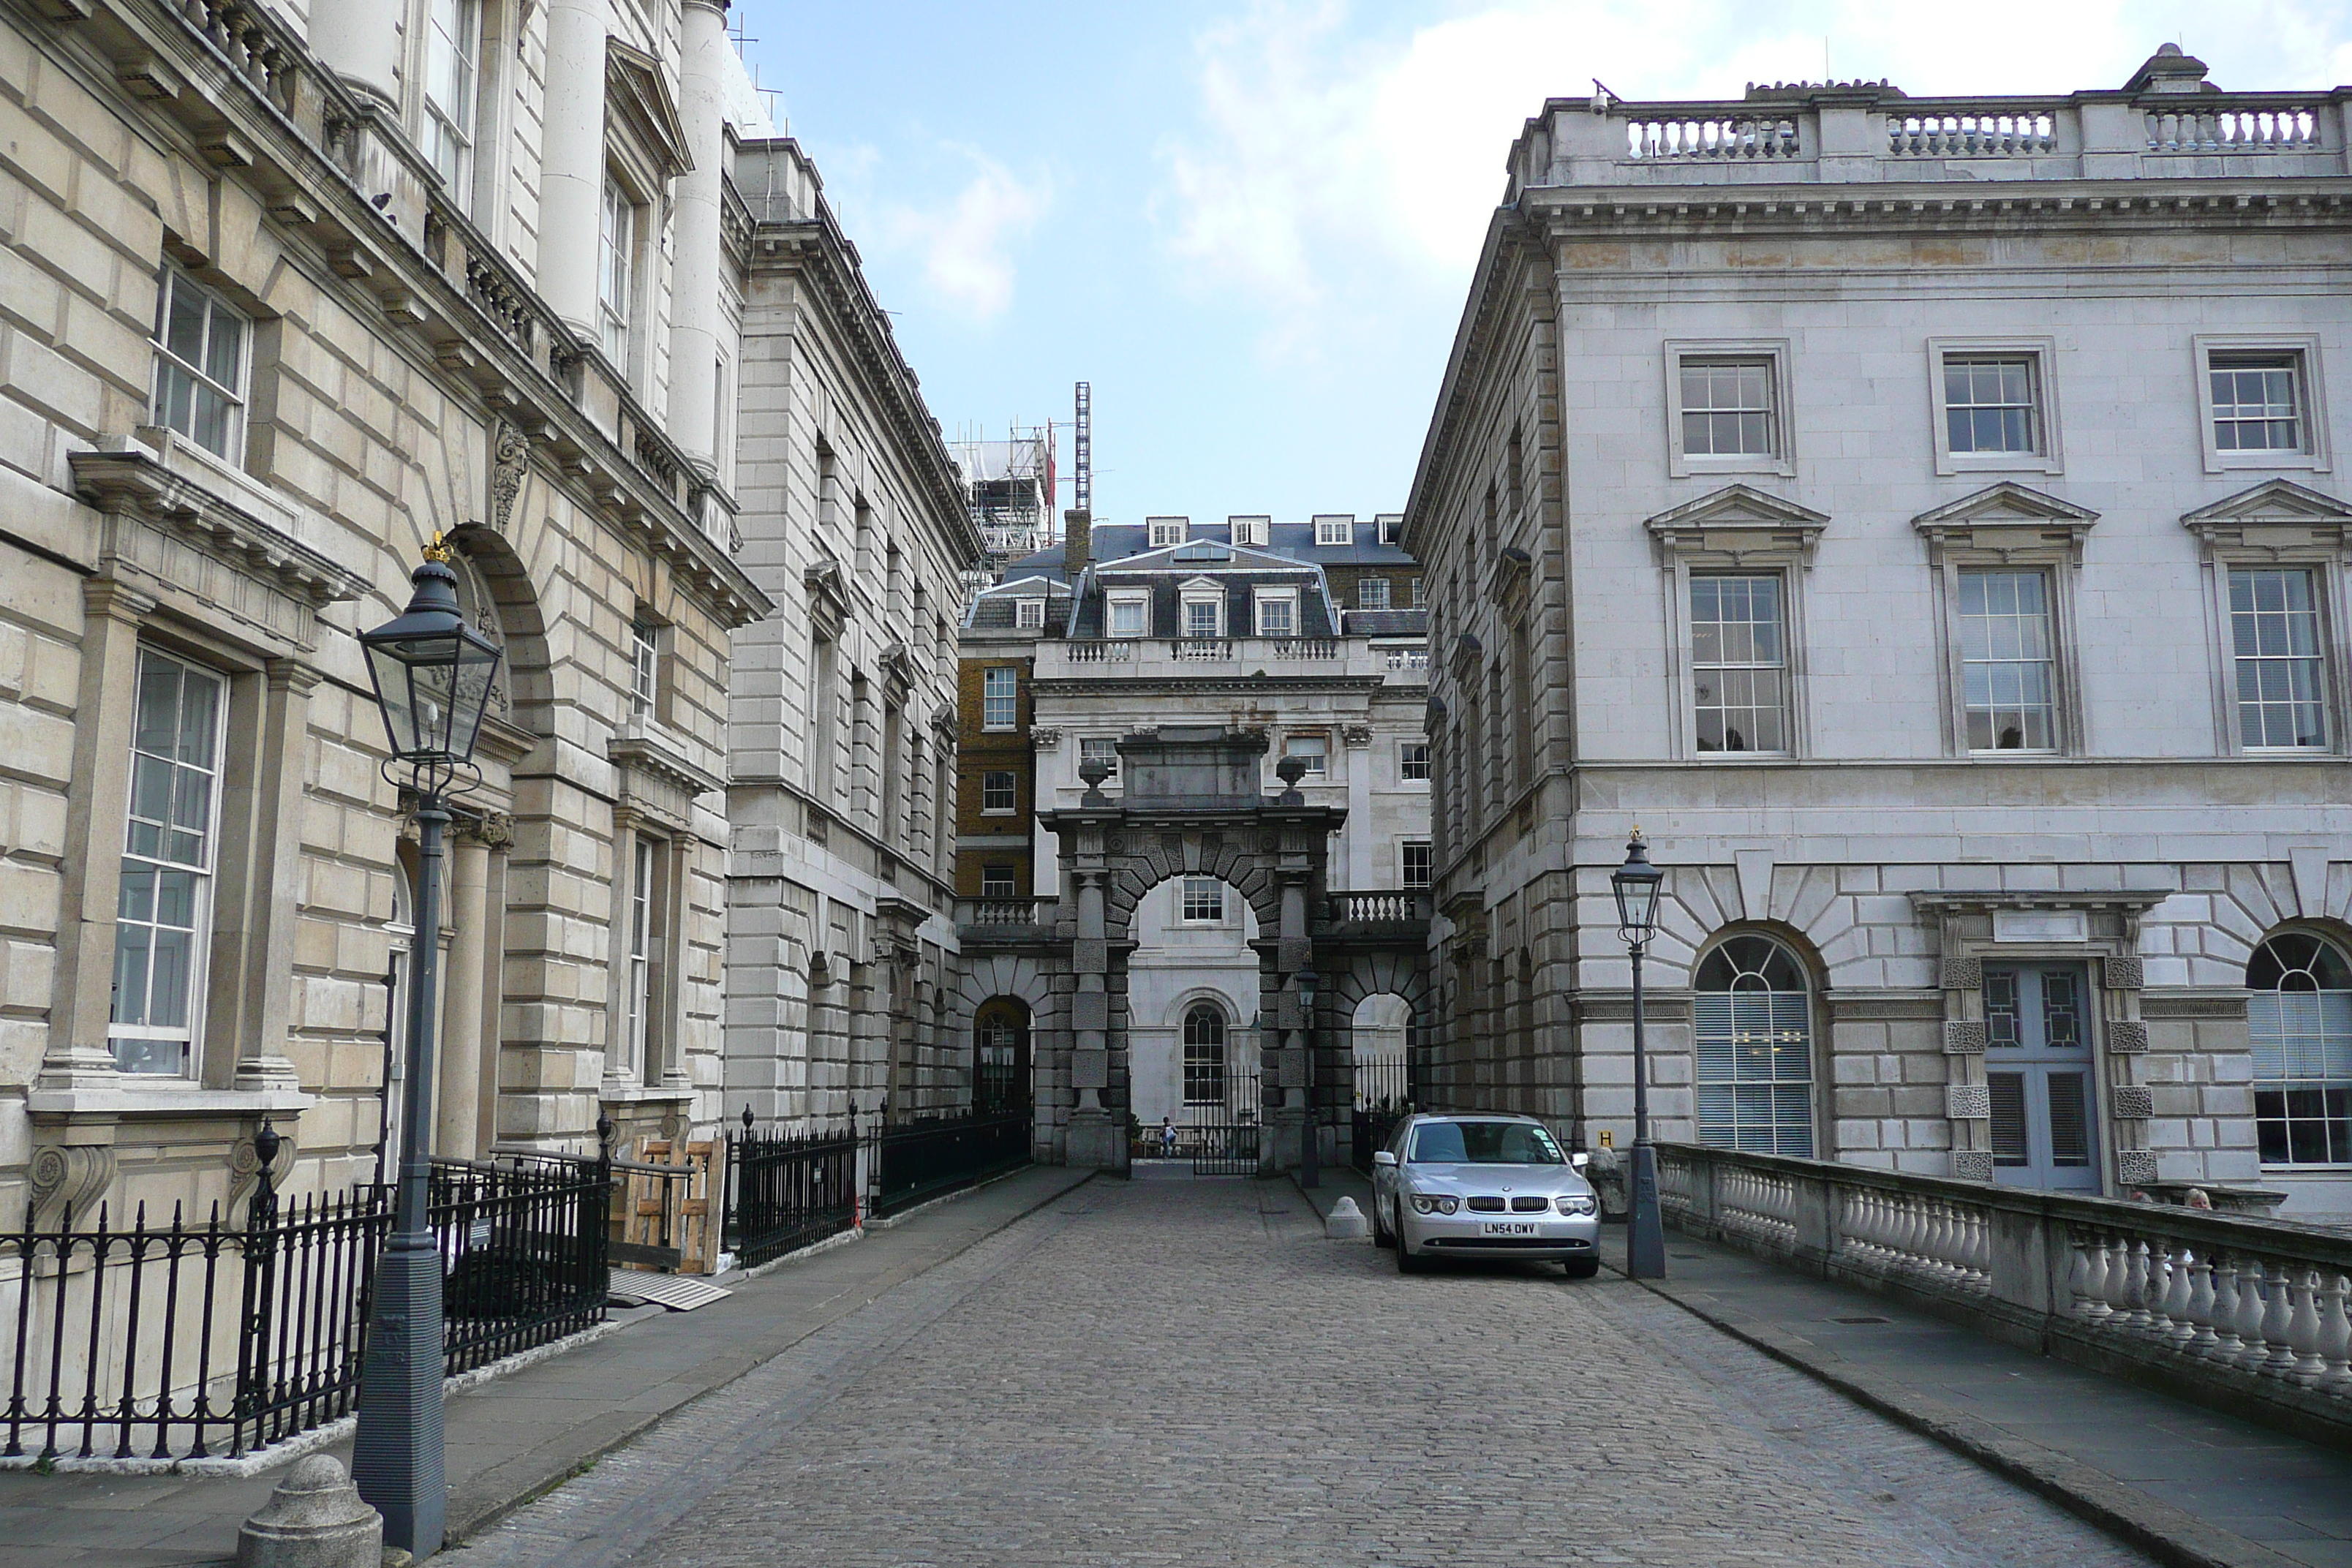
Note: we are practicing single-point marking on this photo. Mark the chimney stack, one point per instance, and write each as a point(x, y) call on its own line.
point(1077, 541)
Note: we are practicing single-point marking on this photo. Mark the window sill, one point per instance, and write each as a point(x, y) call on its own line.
point(1997, 463)
point(164, 1099)
point(638, 1094)
point(2240, 462)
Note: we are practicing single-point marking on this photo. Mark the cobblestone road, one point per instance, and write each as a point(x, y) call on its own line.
point(1188, 1372)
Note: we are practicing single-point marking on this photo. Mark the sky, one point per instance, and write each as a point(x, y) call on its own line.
point(1251, 224)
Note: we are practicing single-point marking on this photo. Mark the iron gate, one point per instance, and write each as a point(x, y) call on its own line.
point(1221, 1131)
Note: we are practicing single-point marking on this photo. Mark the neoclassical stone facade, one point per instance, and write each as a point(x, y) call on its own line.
point(1924, 520)
point(841, 956)
point(291, 290)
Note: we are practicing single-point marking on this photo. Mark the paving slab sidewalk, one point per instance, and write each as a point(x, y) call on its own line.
point(510, 1439)
point(2185, 1484)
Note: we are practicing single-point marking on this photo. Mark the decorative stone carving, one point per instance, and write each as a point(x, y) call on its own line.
point(1356, 736)
point(70, 1178)
point(1962, 971)
point(1964, 1037)
point(1045, 739)
point(1968, 1101)
point(2133, 1103)
point(244, 1168)
point(2134, 1167)
point(2127, 1036)
point(492, 830)
point(1972, 1165)
point(509, 462)
point(2124, 973)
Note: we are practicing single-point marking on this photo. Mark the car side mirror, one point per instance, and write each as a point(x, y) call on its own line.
point(1383, 1157)
point(1580, 1162)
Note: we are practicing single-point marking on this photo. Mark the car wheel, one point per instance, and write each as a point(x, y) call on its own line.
point(1382, 1234)
point(1582, 1268)
point(1408, 1262)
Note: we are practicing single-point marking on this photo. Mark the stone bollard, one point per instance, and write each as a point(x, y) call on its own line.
point(314, 1520)
point(1346, 1222)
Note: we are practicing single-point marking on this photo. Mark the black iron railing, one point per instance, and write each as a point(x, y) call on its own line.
point(523, 1253)
point(925, 1158)
point(188, 1341)
point(1385, 1095)
point(786, 1193)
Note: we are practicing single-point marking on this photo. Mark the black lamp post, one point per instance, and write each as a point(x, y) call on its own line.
point(1636, 883)
point(433, 675)
point(1310, 1153)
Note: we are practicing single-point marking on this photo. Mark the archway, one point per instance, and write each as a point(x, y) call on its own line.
point(1192, 809)
point(1000, 1058)
point(1193, 979)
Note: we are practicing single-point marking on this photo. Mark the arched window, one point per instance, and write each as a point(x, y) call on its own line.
point(2300, 1016)
point(1755, 1048)
point(1204, 1054)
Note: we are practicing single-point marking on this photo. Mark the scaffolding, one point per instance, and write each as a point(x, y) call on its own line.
point(1010, 485)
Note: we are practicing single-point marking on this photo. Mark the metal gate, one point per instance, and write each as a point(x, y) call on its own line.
point(1222, 1132)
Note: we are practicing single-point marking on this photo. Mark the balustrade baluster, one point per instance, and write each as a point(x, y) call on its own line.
point(2253, 1305)
point(2174, 1322)
point(2228, 1346)
point(2136, 1315)
point(2093, 1296)
point(2118, 1282)
point(2335, 1334)
point(2306, 1330)
point(2199, 1340)
point(2280, 1321)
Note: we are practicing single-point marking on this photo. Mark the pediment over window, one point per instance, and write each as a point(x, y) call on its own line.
point(634, 89)
point(1738, 522)
point(2277, 515)
point(2005, 520)
point(1200, 585)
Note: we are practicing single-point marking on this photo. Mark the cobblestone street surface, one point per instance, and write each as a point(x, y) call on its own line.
point(1188, 1372)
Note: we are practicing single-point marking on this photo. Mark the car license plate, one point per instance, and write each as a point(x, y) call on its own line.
point(1507, 1227)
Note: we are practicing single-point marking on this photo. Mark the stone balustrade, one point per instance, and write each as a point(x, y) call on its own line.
point(1006, 912)
point(2248, 1315)
point(1862, 133)
point(1245, 656)
point(1396, 909)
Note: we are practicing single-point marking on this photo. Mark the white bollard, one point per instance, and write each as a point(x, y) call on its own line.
point(1346, 1222)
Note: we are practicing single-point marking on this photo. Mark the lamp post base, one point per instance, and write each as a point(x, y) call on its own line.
point(1645, 1234)
point(396, 1455)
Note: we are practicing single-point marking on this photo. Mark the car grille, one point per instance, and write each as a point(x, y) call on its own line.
point(1486, 1206)
point(1529, 1205)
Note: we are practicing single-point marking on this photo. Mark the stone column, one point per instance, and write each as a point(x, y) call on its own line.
point(695, 317)
point(82, 1008)
point(271, 909)
point(1357, 837)
point(360, 42)
point(571, 186)
point(1094, 1139)
point(457, 1105)
point(1290, 1062)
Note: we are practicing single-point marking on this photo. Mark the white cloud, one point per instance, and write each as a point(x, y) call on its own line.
point(966, 245)
point(1327, 164)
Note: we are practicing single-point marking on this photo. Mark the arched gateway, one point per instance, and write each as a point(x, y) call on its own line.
point(1192, 803)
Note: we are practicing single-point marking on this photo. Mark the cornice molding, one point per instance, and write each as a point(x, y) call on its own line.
point(1571, 212)
point(2275, 516)
point(1739, 520)
point(136, 481)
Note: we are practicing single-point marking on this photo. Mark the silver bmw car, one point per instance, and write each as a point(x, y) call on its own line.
point(1483, 1185)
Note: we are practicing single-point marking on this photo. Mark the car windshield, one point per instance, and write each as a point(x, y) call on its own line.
point(1484, 1143)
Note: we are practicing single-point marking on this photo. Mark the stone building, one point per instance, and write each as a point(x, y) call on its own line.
point(290, 290)
point(1241, 627)
point(1921, 518)
point(843, 729)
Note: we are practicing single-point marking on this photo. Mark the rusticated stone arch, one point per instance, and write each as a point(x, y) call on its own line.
point(1192, 852)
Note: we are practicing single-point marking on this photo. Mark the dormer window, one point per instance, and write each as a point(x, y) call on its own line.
point(1250, 529)
point(1335, 529)
point(1166, 531)
point(1029, 614)
point(1129, 616)
point(1277, 612)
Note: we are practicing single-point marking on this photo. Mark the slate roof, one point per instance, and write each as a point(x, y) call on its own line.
point(1116, 541)
point(1388, 623)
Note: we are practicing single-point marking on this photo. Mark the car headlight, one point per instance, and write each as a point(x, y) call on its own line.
point(1425, 1202)
point(1579, 1204)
